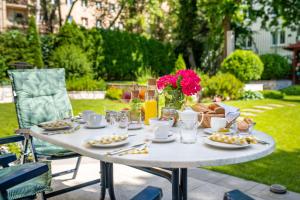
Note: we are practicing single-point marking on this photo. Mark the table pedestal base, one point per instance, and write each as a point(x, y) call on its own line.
point(178, 180)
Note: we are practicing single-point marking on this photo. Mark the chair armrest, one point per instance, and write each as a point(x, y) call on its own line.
point(6, 159)
point(11, 139)
point(22, 175)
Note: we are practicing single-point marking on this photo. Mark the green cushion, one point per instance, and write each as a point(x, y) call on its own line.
point(28, 188)
point(40, 96)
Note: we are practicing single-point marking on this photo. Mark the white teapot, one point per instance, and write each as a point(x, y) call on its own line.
point(189, 116)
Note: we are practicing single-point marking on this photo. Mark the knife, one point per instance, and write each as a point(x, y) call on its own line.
point(124, 149)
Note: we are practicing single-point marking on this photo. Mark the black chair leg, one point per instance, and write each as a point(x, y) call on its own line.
point(76, 167)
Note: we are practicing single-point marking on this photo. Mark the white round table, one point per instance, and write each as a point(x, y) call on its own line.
point(175, 156)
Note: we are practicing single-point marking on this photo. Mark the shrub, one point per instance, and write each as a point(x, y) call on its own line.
point(245, 65)
point(3, 69)
point(113, 93)
point(85, 84)
point(252, 95)
point(34, 41)
point(179, 64)
point(291, 90)
point(225, 85)
point(273, 94)
point(72, 59)
point(275, 67)
point(143, 75)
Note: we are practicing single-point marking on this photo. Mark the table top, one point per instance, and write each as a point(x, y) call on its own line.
point(164, 155)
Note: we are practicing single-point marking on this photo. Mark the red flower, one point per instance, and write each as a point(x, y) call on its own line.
point(189, 82)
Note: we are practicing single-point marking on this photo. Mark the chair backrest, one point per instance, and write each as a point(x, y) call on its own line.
point(40, 95)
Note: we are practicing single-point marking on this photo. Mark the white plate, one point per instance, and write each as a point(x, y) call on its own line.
point(96, 127)
point(115, 144)
point(224, 145)
point(167, 140)
point(42, 125)
point(135, 126)
point(211, 131)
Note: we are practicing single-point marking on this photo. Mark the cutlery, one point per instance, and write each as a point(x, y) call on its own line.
point(137, 148)
point(262, 142)
point(124, 149)
point(77, 127)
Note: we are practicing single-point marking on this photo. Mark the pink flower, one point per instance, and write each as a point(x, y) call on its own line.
point(189, 82)
point(165, 81)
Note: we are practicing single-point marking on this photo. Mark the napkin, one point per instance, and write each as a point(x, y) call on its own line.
point(231, 112)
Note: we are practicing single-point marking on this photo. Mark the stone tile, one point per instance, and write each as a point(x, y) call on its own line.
point(248, 114)
point(252, 110)
point(275, 105)
point(208, 192)
point(236, 183)
point(206, 175)
point(258, 188)
point(263, 107)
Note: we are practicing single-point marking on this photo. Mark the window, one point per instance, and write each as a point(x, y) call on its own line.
point(98, 23)
point(274, 38)
point(278, 37)
point(69, 2)
point(111, 7)
point(70, 19)
point(282, 37)
point(84, 21)
point(98, 5)
point(84, 3)
point(249, 42)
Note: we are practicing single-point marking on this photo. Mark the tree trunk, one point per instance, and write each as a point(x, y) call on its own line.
point(191, 57)
point(70, 11)
point(226, 27)
point(59, 13)
point(117, 16)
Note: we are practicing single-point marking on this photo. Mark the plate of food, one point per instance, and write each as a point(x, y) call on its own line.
point(229, 142)
point(56, 125)
point(135, 126)
point(108, 141)
point(210, 131)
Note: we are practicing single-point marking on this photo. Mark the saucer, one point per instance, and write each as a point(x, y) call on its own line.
point(135, 126)
point(103, 125)
point(171, 138)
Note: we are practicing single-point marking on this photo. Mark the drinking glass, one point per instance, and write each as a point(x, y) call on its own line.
point(119, 123)
point(188, 131)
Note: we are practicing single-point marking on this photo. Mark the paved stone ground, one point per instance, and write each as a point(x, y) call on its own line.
point(203, 184)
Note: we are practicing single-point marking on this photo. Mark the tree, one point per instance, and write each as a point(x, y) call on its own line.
point(34, 43)
point(186, 29)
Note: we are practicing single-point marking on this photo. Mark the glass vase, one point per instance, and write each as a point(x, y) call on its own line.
point(174, 99)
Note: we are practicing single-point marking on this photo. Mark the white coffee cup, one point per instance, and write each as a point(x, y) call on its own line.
point(217, 123)
point(94, 120)
point(86, 114)
point(162, 132)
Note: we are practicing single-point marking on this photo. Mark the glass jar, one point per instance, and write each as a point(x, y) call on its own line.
point(150, 106)
point(188, 132)
point(135, 112)
point(174, 99)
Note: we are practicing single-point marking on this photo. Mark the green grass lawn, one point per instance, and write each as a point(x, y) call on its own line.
point(282, 123)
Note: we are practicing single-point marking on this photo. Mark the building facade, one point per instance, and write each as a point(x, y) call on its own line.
point(273, 41)
point(15, 13)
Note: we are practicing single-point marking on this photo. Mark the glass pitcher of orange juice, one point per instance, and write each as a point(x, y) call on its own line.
point(150, 106)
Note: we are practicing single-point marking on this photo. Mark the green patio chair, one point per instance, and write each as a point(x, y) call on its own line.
point(21, 181)
point(40, 95)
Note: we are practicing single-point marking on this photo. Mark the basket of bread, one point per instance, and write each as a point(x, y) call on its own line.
point(207, 112)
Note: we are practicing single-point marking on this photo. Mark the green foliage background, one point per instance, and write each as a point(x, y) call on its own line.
point(244, 64)
point(275, 67)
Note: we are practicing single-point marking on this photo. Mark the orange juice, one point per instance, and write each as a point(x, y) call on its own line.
point(150, 110)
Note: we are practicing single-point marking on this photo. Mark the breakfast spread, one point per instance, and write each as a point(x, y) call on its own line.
point(228, 139)
point(245, 124)
point(210, 109)
point(56, 124)
point(109, 139)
